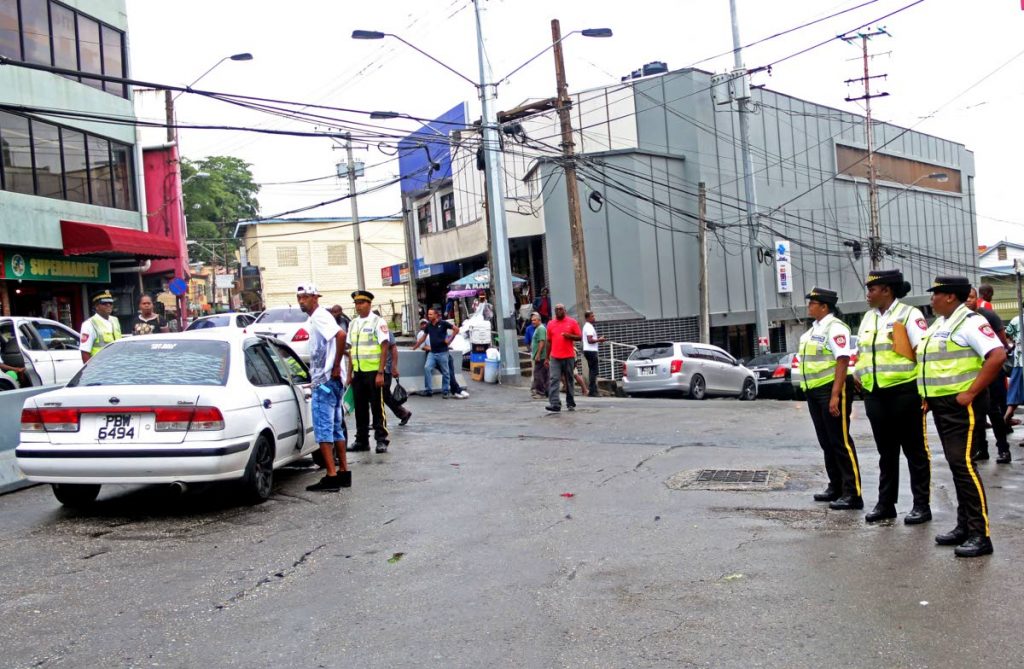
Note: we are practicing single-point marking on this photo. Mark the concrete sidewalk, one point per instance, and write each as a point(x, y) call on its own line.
point(494, 534)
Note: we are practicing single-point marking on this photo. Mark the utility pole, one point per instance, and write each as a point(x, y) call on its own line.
point(875, 234)
point(1018, 269)
point(360, 279)
point(169, 112)
point(702, 235)
point(410, 255)
point(749, 187)
point(501, 270)
point(579, 253)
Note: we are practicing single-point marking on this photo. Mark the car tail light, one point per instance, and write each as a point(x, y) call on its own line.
point(796, 363)
point(301, 335)
point(780, 372)
point(184, 419)
point(676, 367)
point(625, 370)
point(49, 420)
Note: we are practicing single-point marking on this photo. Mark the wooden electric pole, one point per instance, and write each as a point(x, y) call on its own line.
point(702, 235)
point(579, 254)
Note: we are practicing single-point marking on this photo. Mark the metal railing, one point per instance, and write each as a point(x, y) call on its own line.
point(614, 361)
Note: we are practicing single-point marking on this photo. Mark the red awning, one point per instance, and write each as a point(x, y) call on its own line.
point(91, 239)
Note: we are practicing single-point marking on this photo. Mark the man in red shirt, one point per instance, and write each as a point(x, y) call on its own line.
point(563, 332)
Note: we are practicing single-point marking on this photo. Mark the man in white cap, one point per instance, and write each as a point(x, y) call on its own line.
point(102, 329)
point(326, 366)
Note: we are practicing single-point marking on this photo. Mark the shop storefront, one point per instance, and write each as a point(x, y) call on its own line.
point(49, 286)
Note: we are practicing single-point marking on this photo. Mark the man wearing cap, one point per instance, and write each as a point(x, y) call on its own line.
point(368, 333)
point(886, 372)
point(958, 358)
point(824, 355)
point(326, 366)
point(102, 329)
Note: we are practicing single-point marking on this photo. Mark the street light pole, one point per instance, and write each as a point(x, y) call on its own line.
point(358, 243)
point(501, 272)
point(172, 133)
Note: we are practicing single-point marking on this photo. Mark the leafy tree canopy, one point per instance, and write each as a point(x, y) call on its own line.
point(226, 195)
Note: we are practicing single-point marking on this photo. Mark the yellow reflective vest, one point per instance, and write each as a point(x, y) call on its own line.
point(817, 363)
point(878, 365)
point(108, 330)
point(362, 333)
point(946, 368)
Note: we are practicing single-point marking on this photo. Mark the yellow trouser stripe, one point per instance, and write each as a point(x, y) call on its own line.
point(846, 439)
point(383, 414)
point(924, 434)
point(970, 466)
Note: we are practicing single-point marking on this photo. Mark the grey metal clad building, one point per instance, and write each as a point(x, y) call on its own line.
point(809, 160)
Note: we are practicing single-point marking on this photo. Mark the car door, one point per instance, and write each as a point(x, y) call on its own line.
point(276, 398)
point(33, 348)
point(62, 344)
point(733, 374)
point(710, 369)
point(290, 365)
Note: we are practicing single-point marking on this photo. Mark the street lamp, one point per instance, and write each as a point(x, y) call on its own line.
point(169, 99)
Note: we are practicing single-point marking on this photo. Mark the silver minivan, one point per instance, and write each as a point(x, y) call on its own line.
point(697, 370)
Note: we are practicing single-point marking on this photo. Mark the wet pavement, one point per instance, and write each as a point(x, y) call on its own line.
point(494, 534)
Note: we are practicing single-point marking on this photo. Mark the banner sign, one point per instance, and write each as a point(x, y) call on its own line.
point(41, 267)
point(783, 266)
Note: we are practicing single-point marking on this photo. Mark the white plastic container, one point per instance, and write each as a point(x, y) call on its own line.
point(493, 354)
point(491, 371)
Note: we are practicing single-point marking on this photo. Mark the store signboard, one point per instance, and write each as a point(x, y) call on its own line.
point(783, 266)
point(28, 266)
point(385, 276)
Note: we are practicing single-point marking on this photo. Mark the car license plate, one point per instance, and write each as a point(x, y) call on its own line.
point(647, 371)
point(118, 427)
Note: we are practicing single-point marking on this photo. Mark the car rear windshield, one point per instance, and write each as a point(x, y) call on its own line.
point(768, 359)
point(168, 362)
point(211, 322)
point(283, 315)
point(652, 351)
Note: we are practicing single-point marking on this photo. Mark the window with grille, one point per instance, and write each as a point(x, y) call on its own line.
point(337, 254)
point(423, 215)
point(1001, 252)
point(287, 256)
point(448, 211)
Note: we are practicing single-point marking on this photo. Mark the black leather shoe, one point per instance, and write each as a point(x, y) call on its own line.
point(1004, 457)
point(405, 418)
point(326, 484)
point(918, 515)
point(846, 503)
point(356, 448)
point(553, 409)
point(981, 455)
point(829, 494)
point(975, 546)
point(954, 537)
point(881, 512)
point(345, 479)
point(382, 447)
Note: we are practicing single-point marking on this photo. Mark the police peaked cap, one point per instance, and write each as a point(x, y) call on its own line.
point(950, 284)
point(362, 295)
point(884, 277)
point(102, 296)
point(823, 295)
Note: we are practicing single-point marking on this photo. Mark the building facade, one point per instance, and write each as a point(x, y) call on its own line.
point(71, 193)
point(288, 251)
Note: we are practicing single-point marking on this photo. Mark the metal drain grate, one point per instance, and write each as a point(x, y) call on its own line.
point(749, 476)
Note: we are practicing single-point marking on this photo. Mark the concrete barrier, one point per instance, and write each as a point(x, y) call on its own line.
point(410, 370)
point(11, 402)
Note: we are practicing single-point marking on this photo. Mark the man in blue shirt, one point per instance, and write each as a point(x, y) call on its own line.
point(439, 335)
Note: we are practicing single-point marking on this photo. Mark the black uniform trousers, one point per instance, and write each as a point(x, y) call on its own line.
point(834, 438)
point(897, 422)
point(369, 399)
point(961, 429)
point(389, 399)
point(996, 413)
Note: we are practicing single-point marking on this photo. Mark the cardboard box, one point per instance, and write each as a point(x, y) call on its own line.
point(476, 371)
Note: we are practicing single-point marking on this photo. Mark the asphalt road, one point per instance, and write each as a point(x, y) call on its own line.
point(460, 548)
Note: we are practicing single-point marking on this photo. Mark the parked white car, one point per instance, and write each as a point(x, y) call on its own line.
point(696, 370)
point(48, 351)
point(212, 405)
point(225, 320)
point(289, 324)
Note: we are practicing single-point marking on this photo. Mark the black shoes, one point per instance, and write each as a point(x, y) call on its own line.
point(382, 447)
point(1004, 457)
point(975, 546)
point(332, 483)
point(918, 515)
point(954, 537)
point(881, 512)
point(829, 494)
point(553, 409)
point(572, 408)
point(846, 503)
point(356, 448)
point(405, 418)
point(981, 455)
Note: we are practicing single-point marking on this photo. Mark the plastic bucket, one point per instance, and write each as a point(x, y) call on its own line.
point(491, 371)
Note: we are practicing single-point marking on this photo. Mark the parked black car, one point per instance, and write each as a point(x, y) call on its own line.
point(774, 373)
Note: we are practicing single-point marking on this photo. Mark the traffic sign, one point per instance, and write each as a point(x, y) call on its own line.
point(178, 287)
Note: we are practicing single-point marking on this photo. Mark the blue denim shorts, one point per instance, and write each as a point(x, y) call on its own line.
point(328, 412)
point(1015, 394)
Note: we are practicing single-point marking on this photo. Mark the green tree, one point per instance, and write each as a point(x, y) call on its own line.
point(224, 196)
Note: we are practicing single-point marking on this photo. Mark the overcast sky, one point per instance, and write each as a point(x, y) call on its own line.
point(302, 51)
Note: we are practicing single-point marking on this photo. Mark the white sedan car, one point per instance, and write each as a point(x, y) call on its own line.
point(289, 324)
point(48, 351)
point(212, 405)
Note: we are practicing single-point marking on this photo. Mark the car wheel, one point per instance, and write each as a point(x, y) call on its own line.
point(258, 481)
point(76, 495)
point(698, 388)
point(749, 391)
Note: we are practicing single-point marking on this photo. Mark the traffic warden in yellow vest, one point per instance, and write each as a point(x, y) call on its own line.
point(886, 372)
point(824, 354)
point(368, 334)
point(958, 358)
point(102, 329)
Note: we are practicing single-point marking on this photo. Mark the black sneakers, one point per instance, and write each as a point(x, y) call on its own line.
point(405, 418)
point(332, 483)
point(382, 447)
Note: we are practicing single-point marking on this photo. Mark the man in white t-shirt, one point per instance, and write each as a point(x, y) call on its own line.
point(591, 344)
point(327, 368)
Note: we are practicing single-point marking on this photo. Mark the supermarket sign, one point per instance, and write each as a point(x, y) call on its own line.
point(41, 267)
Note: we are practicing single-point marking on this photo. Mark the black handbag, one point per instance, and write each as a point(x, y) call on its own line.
point(400, 394)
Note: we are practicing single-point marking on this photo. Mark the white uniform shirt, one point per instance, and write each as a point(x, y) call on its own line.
point(89, 334)
point(833, 334)
point(323, 345)
point(916, 323)
point(590, 331)
point(974, 332)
